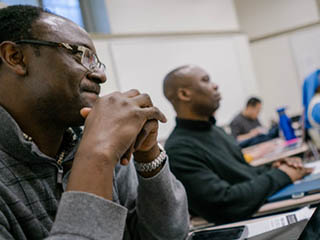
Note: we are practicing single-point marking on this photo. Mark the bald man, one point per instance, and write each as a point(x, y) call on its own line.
point(220, 185)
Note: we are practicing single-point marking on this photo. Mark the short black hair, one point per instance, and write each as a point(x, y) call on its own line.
point(253, 101)
point(16, 22)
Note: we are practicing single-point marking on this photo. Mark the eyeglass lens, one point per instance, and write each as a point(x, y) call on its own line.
point(91, 61)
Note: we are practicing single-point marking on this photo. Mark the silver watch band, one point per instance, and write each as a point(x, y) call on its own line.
point(153, 165)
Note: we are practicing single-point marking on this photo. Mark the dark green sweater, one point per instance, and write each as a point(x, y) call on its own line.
point(220, 185)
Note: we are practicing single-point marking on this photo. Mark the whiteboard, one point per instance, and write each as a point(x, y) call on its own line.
point(142, 64)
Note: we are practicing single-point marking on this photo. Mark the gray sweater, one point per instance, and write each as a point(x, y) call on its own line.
point(34, 206)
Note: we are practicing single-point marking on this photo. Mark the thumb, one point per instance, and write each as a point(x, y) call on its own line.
point(84, 112)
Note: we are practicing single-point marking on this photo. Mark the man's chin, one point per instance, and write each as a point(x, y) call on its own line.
point(216, 107)
point(88, 99)
point(89, 102)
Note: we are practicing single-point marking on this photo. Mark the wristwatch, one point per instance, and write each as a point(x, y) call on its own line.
point(154, 164)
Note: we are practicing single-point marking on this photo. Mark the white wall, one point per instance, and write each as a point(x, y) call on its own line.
point(281, 65)
point(246, 67)
point(306, 50)
point(282, 55)
point(277, 76)
point(261, 17)
point(273, 75)
point(138, 60)
point(152, 16)
point(105, 56)
point(143, 62)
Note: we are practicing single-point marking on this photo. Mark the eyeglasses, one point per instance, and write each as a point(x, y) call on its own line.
point(88, 58)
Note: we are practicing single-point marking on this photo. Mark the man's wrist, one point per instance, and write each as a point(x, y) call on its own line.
point(147, 156)
point(149, 168)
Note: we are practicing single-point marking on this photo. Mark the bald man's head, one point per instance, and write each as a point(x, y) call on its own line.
point(172, 81)
point(189, 88)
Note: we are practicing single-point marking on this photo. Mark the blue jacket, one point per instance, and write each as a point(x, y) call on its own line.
point(310, 85)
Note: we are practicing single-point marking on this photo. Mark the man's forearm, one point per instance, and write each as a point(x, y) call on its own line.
point(87, 216)
point(162, 196)
point(91, 174)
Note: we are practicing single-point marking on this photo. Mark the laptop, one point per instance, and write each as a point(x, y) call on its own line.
point(308, 185)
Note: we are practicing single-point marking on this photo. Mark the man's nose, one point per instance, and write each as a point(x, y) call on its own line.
point(215, 86)
point(97, 76)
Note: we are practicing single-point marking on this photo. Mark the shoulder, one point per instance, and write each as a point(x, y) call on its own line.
point(181, 141)
point(237, 119)
point(7, 166)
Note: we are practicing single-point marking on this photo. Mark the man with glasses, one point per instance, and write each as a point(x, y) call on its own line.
point(50, 80)
point(86, 56)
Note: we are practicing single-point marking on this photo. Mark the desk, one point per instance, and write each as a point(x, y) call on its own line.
point(280, 151)
point(269, 208)
point(288, 204)
point(279, 226)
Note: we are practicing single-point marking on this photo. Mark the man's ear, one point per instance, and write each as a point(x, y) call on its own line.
point(12, 55)
point(184, 94)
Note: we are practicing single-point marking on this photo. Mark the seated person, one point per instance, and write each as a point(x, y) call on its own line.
point(246, 124)
point(221, 187)
point(246, 128)
point(311, 103)
point(50, 81)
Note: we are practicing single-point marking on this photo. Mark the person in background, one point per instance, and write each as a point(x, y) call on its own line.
point(246, 127)
point(221, 186)
point(311, 104)
point(246, 124)
point(50, 79)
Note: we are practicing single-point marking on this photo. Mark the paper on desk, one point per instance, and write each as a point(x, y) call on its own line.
point(279, 221)
point(314, 175)
point(315, 165)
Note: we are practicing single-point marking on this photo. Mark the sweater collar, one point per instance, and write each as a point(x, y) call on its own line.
point(13, 142)
point(195, 124)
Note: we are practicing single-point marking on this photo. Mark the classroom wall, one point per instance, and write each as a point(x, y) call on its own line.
point(142, 62)
point(267, 66)
point(276, 77)
point(102, 46)
point(154, 16)
point(130, 18)
point(145, 45)
point(262, 17)
point(306, 50)
point(273, 27)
